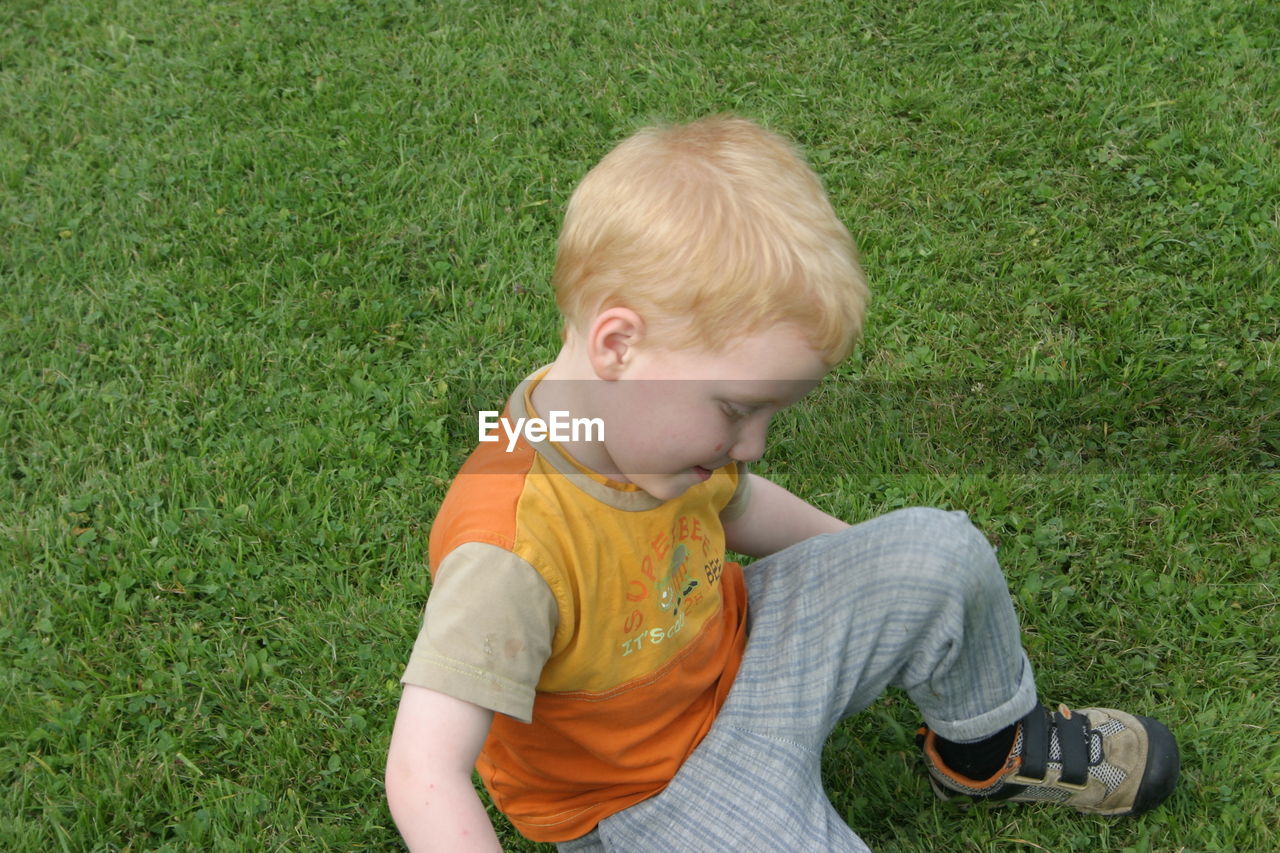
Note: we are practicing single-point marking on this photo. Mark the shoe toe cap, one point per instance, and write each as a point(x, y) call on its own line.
point(1163, 764)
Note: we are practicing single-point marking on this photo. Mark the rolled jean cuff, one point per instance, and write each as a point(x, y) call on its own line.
point(984, 725)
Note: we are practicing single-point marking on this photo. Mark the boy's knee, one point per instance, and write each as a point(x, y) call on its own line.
point(950, 551)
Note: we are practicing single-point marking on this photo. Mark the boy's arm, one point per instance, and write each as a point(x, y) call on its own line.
point(433, 747)
point(775, 519)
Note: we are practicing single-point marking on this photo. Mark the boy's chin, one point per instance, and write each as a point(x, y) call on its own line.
point(666, 487)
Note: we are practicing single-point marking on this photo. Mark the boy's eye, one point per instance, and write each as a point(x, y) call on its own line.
point(733, 412)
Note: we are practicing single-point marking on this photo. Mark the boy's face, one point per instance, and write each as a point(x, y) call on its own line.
point(676, 416)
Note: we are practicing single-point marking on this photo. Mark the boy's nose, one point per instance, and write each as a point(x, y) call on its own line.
point(750, 444)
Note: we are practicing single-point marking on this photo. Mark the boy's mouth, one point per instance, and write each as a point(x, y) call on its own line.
point(704, 472)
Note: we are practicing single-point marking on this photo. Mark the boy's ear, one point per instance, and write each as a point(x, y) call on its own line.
point(612, 339)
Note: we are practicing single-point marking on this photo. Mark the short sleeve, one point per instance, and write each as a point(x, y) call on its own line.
point(487, 631)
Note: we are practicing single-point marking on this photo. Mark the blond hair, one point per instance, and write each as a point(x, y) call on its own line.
point(708, 231)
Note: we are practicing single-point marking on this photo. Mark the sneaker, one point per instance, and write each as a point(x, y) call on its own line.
point(1095, 760)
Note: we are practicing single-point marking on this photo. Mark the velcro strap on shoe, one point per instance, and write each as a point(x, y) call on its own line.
point(1073, 740)
point(1035, 745)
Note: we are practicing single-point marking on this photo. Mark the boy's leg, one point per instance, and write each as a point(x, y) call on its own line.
point(933, 616)
point(913, 599)
point(738, 793)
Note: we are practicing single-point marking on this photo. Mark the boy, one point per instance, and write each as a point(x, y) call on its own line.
point(616, 683)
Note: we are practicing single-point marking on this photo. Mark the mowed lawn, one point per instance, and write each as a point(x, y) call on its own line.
point(261, 264)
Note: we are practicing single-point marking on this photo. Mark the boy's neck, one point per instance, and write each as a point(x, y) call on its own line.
point(566, 387)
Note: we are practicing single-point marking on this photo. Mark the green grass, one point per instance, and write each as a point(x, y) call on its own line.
point(260, 263)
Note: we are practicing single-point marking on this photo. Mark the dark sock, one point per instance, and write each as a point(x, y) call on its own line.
point(981, 759)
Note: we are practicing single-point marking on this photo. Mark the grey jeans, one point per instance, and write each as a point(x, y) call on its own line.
point(913, 599)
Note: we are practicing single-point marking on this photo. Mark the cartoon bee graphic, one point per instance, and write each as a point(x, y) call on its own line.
point(670, 594)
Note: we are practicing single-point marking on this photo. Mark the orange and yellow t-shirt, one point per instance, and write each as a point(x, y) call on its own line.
point(602, 625)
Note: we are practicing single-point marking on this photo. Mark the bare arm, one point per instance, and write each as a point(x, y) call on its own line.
point(775, 519)
point(433, 747)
